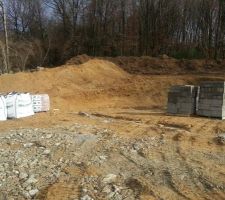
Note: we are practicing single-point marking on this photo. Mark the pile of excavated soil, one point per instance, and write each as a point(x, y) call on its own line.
point(67, 85)
point(159, 65)
point(94, 72)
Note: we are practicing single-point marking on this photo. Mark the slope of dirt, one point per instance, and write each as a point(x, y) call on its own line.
point(159, 65)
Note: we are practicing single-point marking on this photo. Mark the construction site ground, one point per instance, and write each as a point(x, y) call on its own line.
point(108, 136)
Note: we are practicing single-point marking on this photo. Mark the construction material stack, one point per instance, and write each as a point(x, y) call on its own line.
point(19, 105)
point(182, 100)
point(211, 101)
point(41, 103)
point(3, 109)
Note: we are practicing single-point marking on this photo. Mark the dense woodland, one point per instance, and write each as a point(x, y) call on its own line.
point(48, 32)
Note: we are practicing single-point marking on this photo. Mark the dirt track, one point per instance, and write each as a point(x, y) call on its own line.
point(131, 150)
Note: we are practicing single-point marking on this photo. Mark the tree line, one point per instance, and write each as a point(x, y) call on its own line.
point(48, 32)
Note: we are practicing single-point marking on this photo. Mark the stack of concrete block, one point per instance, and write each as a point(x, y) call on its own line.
point(182, 100)
point(211, 101)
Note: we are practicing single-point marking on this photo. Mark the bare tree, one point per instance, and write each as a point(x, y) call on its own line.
point(6, 52)
point(61, 29)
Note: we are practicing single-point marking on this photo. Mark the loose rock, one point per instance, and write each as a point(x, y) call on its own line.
point(33, 192)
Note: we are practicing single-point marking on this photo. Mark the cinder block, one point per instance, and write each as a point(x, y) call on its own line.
point(211, 102)
point(182, 100)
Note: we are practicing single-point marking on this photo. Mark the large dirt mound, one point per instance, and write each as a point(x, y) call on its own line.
point(159, 65)
point(95, 72)
point(66, 84)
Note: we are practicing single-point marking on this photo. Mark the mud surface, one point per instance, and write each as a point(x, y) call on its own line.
point(109, 157)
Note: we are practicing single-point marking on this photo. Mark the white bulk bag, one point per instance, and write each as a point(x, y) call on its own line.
point(3, 109)
point(19, 105)
point(41, 102)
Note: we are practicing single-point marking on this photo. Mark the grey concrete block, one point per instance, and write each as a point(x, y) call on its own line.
point(182, 100)
point(212, 84)
point(211, 100)
point(210, 114)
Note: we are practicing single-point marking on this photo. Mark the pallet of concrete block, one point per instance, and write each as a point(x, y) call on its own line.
point(3, 109)
point(19, 105)
point(182, 100)
point(41, 103)
point(211, 101)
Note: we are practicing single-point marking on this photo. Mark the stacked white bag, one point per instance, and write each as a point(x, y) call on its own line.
point(19, 105)
point(3, 109)
point(41, 103)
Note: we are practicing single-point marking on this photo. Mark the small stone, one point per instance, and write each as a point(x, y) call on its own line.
point(28, 145)
point(49, 136)
point(46, 152)
point(103, 157)
point(23, 175)
point(182, 177)
point(107, 189)
point(28, 188)
point(86, 197)
point(31, 180)
point(221, 139)
point(26, 195)
point(84, 190)
point(109, 178)
point(2, 169)
point(34, 162)
point(33, 192)
point(16, 172)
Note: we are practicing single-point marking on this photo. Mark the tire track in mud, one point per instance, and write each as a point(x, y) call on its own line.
point(163, 172)
point(182, 162)
point(204, 187)
point(158, 162)
point(160, 172)
point(175, 175)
